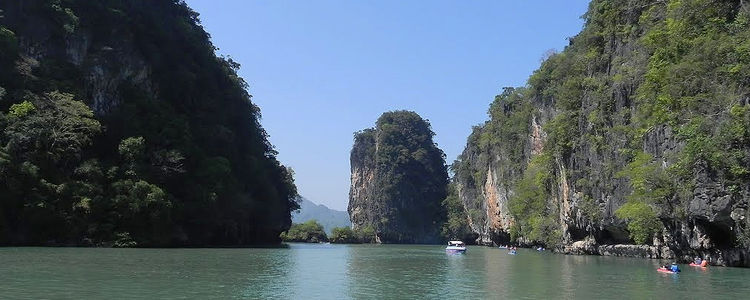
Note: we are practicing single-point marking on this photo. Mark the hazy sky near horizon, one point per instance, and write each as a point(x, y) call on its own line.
point(321, 70)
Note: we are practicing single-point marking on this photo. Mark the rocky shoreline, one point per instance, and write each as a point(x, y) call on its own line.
point(733, 257)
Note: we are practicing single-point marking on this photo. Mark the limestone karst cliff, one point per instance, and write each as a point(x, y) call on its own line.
point(398, 180)
point(119, 125)
point(633, 140)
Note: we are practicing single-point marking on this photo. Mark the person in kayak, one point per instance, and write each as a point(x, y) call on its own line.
point(674, 268)
point(697, 260)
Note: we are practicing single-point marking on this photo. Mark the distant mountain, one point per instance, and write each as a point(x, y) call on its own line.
point(327, 217)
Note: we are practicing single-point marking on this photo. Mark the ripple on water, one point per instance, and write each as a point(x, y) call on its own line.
point(305, 271)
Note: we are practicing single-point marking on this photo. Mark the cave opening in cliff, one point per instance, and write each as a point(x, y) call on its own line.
point(613, 235)
point(577, 234)
point(720, 234)
point(500, 238)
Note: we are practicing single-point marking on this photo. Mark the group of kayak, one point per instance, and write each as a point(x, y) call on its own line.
point(671, 269)
point(674, 269)
point(512, 249)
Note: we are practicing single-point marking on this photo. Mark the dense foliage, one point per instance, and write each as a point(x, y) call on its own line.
point(407, 179)
point(120, 126)
point(346, 235)
point(456, 226)
point(308, 232)
point(647, 107)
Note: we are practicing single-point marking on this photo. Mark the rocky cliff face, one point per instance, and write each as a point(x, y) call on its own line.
point(102, 63)
point(631, 141)
point(398, 180)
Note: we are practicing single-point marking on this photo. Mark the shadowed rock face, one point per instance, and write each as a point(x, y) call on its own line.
point(398, 180)
point(589, 136)
point(147, 70)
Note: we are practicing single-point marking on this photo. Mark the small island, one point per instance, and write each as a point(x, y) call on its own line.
point(312, 232)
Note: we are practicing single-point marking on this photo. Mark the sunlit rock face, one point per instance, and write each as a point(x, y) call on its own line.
point(590, 133)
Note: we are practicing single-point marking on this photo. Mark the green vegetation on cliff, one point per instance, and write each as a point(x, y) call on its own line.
point(645, 126)
point(535, 220)
point(456, 226)
point(120, 126)
point(399, 180)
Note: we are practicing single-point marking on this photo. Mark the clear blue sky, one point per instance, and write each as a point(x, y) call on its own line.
point(321, 70)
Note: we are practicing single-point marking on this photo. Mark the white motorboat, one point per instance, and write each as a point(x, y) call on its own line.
point(455, 247)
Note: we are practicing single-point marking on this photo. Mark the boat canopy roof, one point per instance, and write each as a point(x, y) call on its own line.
point(455, 243)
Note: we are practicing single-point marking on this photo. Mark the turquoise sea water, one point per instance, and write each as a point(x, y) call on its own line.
point(318, 271)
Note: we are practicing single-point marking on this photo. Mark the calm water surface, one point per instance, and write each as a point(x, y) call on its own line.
point(305, 271)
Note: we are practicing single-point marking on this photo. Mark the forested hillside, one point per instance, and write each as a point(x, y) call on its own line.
point(119, 125)
point(636, 133)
